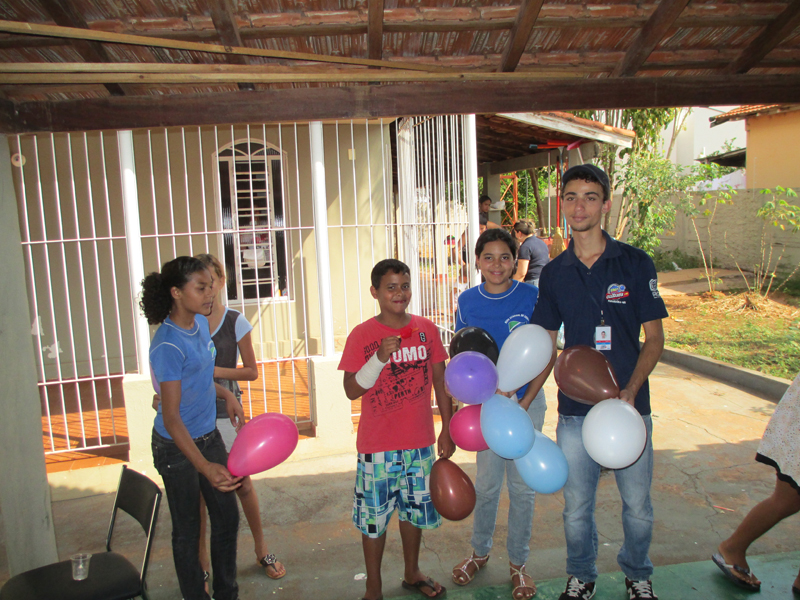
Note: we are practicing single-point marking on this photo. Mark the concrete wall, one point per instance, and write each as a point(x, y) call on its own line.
point(736, 235)
point(771, 160)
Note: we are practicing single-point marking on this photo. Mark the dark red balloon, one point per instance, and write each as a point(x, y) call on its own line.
point(585, 375)
point(452, 491)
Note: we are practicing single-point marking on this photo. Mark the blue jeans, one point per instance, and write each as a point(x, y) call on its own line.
point(488, 484)
point(580, 492)
point(183, 485)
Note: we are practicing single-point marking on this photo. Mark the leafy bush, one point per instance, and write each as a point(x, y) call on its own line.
point(666, 261)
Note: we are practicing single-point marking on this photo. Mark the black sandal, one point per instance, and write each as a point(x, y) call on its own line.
point(269, 561)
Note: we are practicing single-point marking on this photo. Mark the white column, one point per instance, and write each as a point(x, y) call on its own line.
point(471, 187)
point(320, 199)
point(24, 493)
point(133, 236)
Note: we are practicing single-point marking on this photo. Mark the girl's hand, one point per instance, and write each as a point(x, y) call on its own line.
point(235, 411)
point(156, 401)
point(506, 394)
point(221, 478)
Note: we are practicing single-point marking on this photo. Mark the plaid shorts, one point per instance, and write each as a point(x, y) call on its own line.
point(397, 479)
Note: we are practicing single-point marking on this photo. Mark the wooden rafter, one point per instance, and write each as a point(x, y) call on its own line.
point(359, 102)
point(375, 29)
point(120, 38)
point(520, 34)
point(649, 36)
point(225, 23)
point(64, 15)
point(772, 35)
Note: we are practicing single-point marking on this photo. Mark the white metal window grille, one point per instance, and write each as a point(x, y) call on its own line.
point(252, 212)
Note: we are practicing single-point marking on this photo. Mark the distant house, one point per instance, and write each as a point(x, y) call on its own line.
point(772, 131)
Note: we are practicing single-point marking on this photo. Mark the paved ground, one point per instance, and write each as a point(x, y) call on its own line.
point(706, 434)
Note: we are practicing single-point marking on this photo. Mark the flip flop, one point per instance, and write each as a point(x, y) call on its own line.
point(428, 583)
point(730, 572)
point(796, 590)
point(269, 561)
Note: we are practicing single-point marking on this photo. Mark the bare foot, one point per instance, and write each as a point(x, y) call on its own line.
point(464, 572)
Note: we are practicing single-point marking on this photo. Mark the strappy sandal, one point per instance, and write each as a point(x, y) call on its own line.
point(523, 585)
point(268, 562)
point(463, 568)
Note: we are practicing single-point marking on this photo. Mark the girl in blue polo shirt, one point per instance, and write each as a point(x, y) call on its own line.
point(188, 451)
point(498, 305)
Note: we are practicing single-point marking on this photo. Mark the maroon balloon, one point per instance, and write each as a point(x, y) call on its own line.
point(452, 491)
point(585, 375)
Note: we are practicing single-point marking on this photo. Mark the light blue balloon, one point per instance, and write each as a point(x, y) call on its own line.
point(544, 469)
point(506, 427)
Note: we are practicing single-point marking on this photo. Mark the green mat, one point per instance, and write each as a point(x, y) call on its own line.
point(695, 581)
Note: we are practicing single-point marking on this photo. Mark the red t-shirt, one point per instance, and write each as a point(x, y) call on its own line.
point(396, 413)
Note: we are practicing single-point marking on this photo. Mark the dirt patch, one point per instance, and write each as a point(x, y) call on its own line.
point(742, 329)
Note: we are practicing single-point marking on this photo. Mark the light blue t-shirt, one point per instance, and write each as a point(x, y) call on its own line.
point(187, 355)
point(497, 314)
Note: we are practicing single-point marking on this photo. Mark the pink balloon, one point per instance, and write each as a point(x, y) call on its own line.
point(465, 429)
point(264, 442)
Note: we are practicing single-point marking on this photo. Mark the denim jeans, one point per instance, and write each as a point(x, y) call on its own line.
point(183, 485)
point(580, 492)
point(488, 484)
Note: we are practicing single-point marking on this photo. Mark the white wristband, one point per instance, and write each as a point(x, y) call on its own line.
point(369, 373)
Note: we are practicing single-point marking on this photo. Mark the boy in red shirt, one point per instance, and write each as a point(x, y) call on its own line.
point(391, 362)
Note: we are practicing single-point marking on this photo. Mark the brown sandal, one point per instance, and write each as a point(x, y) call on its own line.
point(269, 562)
point(517, 592)
point(462, 567)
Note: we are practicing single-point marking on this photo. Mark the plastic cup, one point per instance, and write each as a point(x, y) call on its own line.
point(80, 566)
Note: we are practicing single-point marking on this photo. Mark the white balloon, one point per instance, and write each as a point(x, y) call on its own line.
point(614, 434)
point(525, 353)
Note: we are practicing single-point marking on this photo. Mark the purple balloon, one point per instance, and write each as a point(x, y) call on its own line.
point(471, 377)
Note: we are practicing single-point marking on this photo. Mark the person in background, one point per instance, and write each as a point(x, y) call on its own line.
point(484, 204)
point(779, 448)
point(533, 253)
point(230, 331)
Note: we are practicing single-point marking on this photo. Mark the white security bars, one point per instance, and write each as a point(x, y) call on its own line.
point(438, 197)
point(245, 194)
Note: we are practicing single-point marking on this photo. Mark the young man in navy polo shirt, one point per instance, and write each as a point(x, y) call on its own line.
point(604, 292)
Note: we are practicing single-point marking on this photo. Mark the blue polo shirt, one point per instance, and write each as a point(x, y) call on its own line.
point(622, 283)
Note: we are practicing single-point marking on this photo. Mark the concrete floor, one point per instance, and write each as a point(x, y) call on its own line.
point(705, 437)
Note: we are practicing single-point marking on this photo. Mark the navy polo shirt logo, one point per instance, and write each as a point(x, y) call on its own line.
point(654, 288)
point(617, 292)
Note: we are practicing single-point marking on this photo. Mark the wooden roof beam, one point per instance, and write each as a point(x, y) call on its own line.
point(649, 36)
point(520, 34)
point(375, 101)
point(375, 29)
point(772, 35)
point(225, 23)
point(64, 15)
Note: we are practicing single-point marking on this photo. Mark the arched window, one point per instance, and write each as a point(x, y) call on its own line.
point(253, 221)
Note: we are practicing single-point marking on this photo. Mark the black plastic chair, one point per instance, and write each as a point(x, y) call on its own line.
point(111, 575)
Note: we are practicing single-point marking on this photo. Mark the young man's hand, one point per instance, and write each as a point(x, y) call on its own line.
point(389, 346)
point(445, 445)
